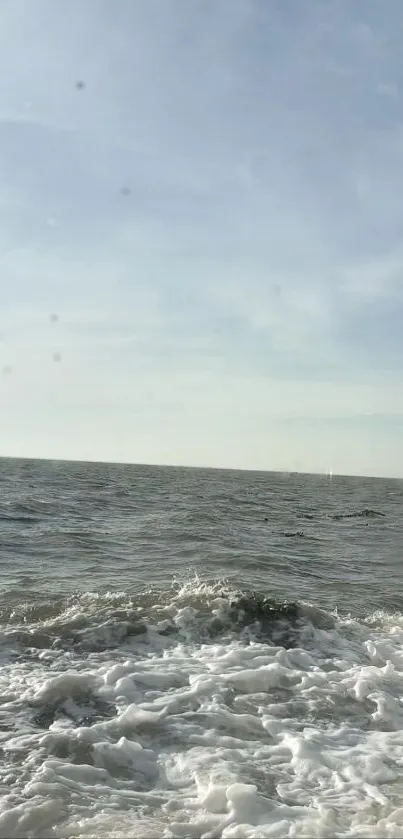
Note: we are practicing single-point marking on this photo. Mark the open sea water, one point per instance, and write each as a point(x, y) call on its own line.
point(199, 653)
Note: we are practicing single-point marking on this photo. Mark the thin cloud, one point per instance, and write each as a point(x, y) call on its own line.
point(208, 195)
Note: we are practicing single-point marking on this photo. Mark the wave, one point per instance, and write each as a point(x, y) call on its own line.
point(294, 534)
point(202, 723)
point(19, 519)
point(193, 612)
point(366, 513)
point(30, 511)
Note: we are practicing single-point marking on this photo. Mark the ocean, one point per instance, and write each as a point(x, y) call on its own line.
point(199, 653)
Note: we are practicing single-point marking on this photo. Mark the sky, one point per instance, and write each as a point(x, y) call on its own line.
point(201, 219)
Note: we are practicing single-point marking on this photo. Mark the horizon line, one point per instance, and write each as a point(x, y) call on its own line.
point(285, 472)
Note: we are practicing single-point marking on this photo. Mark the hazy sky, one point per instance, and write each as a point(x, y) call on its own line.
point(209, 196)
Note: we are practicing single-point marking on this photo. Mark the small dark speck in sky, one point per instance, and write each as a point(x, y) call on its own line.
point(7, 369)
point(80, 85)
point(53, 317)
point(125, 190)
point(57, 356)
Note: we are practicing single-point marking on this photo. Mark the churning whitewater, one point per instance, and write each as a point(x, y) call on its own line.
point(199, 706)
point(212, 714)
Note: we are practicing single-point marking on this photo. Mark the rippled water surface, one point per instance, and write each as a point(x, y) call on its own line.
point(195, 653)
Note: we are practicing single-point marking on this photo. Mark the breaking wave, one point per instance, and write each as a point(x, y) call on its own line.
point(198, 711)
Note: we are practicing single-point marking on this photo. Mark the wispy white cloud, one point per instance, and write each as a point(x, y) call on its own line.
point(208, 195)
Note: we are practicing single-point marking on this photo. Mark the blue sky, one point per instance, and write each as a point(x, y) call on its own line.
point(215, 216)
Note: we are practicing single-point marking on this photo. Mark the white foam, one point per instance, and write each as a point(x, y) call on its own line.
point(64, 686)
point(234, 738)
